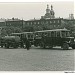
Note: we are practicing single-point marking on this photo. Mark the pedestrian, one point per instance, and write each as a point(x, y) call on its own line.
point(27, 44)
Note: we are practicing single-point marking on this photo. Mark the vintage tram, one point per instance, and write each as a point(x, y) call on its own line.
point(55, 37)
point(44, 39)
point(24, 36)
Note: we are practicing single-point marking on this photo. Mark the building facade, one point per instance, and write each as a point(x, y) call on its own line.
point(2, 22)
point(48, 21)
point(14, 22)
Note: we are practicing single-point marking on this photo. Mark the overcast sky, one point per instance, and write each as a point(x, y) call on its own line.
point(31, 10)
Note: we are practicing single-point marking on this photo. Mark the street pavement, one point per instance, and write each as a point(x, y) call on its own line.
point(37, 59)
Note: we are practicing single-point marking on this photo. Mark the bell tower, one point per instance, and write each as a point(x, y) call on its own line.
point(52, 12)
point(47, 10)
point(51, 7)
point(49, 13)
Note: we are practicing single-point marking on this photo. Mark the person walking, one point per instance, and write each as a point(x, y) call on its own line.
point(28, 44)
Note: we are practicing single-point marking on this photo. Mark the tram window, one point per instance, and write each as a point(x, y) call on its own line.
point(19, 35)
point(24, 35)
point(52, 34)
point(31, 36)
point(40, 34)
point(48, 34)
point(67, 34)
point(55, 34)
point(58, 34)
point(63, 34)
point(28, 36)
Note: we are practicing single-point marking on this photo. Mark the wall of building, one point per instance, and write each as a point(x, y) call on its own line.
point(2, 24)
point(51, 23)
point(15, 23)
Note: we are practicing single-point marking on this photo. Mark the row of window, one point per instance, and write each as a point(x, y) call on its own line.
point(49, 25)
point(53, 34)
point(47, 22)
point(42, 22)
point(20, 23)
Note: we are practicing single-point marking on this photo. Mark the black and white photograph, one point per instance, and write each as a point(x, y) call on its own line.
point(37, 36)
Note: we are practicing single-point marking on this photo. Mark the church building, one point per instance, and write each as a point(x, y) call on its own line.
point(50, 14)
point(48, 20)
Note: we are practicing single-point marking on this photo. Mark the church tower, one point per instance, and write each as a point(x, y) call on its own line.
point(50, 14)
point(47, 15)
point(47, 10)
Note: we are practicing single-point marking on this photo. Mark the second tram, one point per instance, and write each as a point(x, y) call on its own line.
point(55, 37)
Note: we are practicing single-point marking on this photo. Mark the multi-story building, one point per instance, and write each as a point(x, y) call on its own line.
point(48, 20)
point(71, 16)
point(2, 22)
point(15, 22)
point(51, 23)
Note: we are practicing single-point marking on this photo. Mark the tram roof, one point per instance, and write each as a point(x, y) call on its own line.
point(16, 33)
point(53, 30)
point(22, 33)
point(27, 32)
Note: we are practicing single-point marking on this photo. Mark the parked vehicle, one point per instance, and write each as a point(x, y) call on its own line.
point(10, 41)
point(55, 37)
point(24, 36)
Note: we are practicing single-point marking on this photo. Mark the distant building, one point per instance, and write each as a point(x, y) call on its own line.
point(14, 22)
point(47, 20)
point(2, 22)
point(71, 16)
point(51, 23)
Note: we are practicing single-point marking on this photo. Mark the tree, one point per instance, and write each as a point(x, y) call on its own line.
point(28, 29)
point(3, 32)
point(17, 30)
point(68, 25)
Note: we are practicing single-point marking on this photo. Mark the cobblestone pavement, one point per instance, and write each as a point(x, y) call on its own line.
point(36, 59)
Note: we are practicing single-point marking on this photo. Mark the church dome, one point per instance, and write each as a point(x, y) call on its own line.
point(49, 13)
point(52, 11)
point(47, 10)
